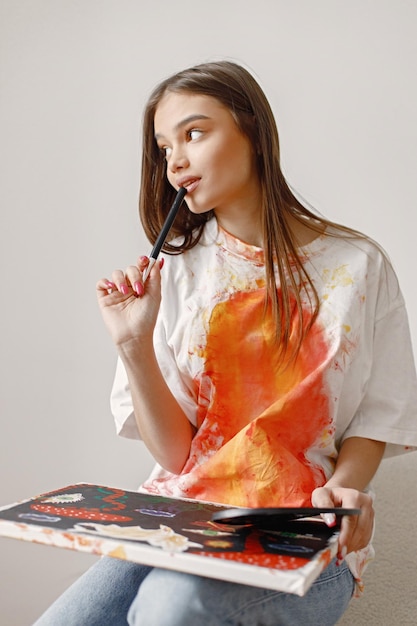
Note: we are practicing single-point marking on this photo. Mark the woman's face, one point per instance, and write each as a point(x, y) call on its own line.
point(208, 154)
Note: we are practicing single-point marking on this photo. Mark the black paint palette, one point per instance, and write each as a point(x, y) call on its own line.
point(270, 518)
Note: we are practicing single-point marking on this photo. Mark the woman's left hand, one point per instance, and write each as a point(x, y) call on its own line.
point(356, 530)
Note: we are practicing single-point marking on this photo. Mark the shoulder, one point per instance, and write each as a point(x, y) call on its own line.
point(338, 247)
point(366, 264)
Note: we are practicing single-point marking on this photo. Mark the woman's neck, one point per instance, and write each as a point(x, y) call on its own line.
point(245, 226)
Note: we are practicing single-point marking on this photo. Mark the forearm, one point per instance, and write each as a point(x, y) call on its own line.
point(358, 460)
point(162, 424)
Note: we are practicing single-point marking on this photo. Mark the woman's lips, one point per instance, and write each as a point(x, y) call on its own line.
point(190, 184)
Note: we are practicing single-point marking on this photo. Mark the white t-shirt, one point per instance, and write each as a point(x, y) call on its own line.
point(267, 435)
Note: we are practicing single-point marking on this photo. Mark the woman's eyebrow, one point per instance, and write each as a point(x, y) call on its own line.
point(185, 121)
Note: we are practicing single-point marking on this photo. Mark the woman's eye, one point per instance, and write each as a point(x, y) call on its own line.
point(194, 134)
point(166, 151)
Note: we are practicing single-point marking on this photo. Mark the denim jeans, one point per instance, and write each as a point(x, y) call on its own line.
point(119, 593)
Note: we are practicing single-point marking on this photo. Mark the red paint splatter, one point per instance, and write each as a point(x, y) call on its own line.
point(81, 513)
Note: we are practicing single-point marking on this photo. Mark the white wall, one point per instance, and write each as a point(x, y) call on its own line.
point(74, 77)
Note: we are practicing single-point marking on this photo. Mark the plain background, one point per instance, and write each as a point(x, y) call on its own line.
point(75, 75)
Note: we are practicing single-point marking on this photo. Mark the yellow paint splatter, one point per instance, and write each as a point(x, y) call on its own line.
point(118, 553)
point(339, 277)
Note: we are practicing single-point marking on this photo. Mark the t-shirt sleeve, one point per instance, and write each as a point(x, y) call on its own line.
point(121, 405)
point(121, 400)
point(179, 382)
point(388, 410)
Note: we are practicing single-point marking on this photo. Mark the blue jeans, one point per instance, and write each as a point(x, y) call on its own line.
point(119, 593)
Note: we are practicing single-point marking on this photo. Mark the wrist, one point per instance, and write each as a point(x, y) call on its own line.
point(135, 349)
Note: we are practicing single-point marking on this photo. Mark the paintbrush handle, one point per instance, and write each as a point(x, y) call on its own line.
point(164, 230)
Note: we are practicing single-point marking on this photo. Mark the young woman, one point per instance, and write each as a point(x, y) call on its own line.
point(267, 363)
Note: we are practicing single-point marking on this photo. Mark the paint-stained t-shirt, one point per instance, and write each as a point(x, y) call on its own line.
point(268, 431)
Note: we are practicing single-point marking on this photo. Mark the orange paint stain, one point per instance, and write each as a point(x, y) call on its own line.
point(257, 417)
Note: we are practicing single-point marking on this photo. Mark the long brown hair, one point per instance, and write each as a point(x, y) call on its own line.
point(236, 89)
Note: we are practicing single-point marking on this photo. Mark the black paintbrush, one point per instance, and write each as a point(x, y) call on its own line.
point(164, 231)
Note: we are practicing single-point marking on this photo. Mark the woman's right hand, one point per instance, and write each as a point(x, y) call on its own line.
point(128, 306)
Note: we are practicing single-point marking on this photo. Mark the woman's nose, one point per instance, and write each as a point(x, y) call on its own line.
point(177, 159)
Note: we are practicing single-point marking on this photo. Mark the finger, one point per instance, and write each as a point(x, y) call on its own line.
point(327, 497)
point(152, 277)
point(107, 292)
point(323, 498)
point(122, 282)
point(348, 529)
point(356, 530)
point(134, 279)
point(143, 261)
point(146, 264)
point(104, 286)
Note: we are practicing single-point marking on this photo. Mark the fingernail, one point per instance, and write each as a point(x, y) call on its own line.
point(341, 555)
point(330, 519)
point(138, 287)
point(124, 289)
point(161, 263)
point(143, 259)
